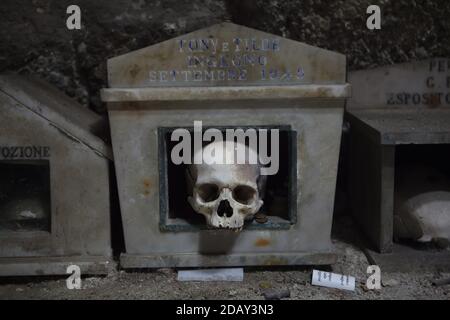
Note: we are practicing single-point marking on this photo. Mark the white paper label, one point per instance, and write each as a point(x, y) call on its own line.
point(333, 280)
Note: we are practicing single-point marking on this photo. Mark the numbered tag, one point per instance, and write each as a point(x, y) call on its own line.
point(333, 280)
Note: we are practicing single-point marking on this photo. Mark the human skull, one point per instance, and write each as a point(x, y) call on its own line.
point(422, 205)
point(424, 217)
point(226, 194)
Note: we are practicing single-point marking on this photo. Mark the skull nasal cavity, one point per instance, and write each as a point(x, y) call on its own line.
point(224, 209)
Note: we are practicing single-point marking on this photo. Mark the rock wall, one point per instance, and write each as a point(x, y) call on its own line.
point(34, 38)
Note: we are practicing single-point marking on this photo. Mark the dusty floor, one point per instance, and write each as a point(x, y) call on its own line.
point(162, 284)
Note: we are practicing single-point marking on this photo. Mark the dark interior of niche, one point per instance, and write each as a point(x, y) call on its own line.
point(422, 168)
point(277, 196)
point(25, 195)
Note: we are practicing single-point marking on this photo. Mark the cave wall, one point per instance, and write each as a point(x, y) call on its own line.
point(34, 38)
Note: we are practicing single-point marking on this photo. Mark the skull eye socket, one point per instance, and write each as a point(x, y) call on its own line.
point(208, 192)
point(244, 194)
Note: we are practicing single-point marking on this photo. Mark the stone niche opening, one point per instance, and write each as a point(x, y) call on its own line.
point(398, 158)
point(420, 169)
point(25, 196)
point(299, 89)
point(279, 197)
point(54, 182)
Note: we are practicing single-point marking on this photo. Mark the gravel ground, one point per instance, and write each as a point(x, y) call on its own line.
point(162, 283)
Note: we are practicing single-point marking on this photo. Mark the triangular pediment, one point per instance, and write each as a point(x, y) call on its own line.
point(35, 96)
point(226, 54)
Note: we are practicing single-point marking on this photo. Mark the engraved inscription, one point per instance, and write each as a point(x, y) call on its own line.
point(213, 59)
point(437, 87)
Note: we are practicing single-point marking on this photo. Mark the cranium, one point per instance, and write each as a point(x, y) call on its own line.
point(226, 194)
point(424, 217)
point(422, 205)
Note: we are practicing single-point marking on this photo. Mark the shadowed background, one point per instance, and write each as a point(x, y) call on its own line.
point(34, 38)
